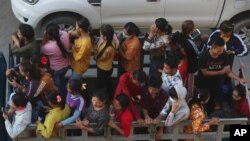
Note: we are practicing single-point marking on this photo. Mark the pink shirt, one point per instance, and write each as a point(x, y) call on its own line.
point(52, 50)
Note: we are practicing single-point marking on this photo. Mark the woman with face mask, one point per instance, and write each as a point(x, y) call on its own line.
point(130, 49)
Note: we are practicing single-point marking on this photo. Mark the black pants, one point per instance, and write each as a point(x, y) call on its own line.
point(104, 81)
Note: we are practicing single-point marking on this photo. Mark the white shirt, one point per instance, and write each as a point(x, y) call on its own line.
point(21, 120)
point(169, 81)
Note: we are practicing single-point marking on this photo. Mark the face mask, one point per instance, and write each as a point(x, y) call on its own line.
point(172, 100)
point(125, 35)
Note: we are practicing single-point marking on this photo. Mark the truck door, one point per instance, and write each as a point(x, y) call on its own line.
point(141, 12)
point(204, 13)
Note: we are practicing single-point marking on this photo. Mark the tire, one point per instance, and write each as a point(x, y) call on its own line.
point(242, 28)
point(65, 21)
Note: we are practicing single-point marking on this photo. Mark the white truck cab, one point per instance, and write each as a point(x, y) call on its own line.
point(205, 13)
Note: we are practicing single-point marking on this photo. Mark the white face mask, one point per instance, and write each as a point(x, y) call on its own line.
point(172, 100)
point(125, 35)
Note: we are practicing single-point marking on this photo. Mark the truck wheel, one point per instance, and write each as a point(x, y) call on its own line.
point(65, 21)
point(242, 27)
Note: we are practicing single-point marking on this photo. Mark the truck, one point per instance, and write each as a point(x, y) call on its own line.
point(206, 14)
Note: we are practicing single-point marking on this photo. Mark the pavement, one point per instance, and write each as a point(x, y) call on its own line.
point(9, 24)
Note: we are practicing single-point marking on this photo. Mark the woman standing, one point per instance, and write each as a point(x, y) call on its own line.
point(104, 55)
point(81, 50)
point(55, 46)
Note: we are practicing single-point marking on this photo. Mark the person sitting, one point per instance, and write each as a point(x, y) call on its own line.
point(21, 109)
point(131, 84)
point(198, 113)
point(97, 113)
point(75, 101)
point(240, 103)
point(58, 112)
point(123, 115)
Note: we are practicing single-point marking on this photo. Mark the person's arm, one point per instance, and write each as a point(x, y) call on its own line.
point(71, 119)
point(40, 88)
point(173, 119)
point(240, 46)
point(16, 41)
point(165, 109)
point(46, 128)
point(15, 129)
point(106, 54)
point(211, 38)
point(134, 110)
point(233, 76)
point(117, 128)
point(22, 50)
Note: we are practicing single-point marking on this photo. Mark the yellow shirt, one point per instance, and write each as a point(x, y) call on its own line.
point(81, 53)
point(105, 61)
point(54, 116)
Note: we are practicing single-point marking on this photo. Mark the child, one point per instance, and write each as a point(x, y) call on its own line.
point(170, 74)
point(240, 104)
point(122, 115)
point(75, 101)
point(179, 109)
point(197, 113)
point(96, 113)
point(22, 118)
point(59, 111)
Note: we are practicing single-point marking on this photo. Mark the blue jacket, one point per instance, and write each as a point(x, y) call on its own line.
point(235, 43)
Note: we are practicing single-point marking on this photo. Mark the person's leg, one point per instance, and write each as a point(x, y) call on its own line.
point(60, 81)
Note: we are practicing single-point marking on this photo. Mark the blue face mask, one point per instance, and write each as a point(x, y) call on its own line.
point(125, 35)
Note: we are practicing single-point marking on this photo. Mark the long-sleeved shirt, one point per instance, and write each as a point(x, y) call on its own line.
point(77, 106)
point(126, 86)
point(52, 50)
point(27, 50)
point(157, 46)
point(234, 43)
point(99, 117)
point(125, 118)
point(197, 116)
point(132, 54)
point(169, 81)
point(21, 120)
point(54, 116)
point(81, 53)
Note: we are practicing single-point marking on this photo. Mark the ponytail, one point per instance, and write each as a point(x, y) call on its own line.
point(53, 31)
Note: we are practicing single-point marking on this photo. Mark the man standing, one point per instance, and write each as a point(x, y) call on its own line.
point(214, 65)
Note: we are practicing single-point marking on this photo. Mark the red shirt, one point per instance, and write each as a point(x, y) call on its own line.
point(125, 118)
point(241, 107)
point(126, 86)
point(183, 67)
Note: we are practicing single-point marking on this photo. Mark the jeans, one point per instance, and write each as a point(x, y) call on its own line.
point(60, 81)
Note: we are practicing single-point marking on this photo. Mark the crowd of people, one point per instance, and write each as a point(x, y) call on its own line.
point(170, 91)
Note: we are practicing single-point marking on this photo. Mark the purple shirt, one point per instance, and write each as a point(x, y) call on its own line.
point(75, 102)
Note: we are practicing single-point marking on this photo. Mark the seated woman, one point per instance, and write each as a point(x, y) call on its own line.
point(96, 113)
point(22, 117)
point(122, 115)
point(197, 113)
point(58, 112)
point(240, 104)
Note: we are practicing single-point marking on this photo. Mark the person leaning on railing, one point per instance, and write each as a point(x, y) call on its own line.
point(197, 113)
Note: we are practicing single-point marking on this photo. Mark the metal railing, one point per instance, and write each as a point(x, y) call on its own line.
point(173, 133)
